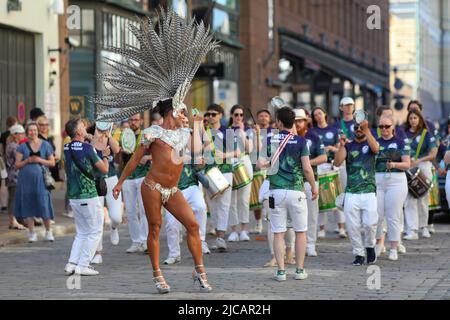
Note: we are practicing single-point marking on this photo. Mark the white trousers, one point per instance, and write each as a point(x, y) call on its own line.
point(195, 199)
point(313, 213)
point(88, 216)
point(240, 200)
point(361, 213)
point(137, 221)
point(392, 190)
point(416, 210)
point(114, 206)
point(219, 207)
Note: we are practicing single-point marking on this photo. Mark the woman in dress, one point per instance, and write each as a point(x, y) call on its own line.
point(32, 197)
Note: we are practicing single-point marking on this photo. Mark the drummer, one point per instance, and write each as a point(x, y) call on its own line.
point(360, 206)
point(317, 157)
point(216, 139)
point(263, 118)
point(137, 221)
point(386, 111)
point(102, 140)
point(423, 152)
point(392, 186)
point(330, 137)
point(240, 199)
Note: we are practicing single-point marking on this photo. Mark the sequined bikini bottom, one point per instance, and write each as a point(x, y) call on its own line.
point(166, 193)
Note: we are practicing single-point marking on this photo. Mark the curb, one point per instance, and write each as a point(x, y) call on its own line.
point(22, 237)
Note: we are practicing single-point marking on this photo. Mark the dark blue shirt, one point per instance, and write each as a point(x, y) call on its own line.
point(428, 144)
point(329, 137)
point(347, 128)
point(388, 147)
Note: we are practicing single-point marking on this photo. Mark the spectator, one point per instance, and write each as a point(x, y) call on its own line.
point(35, 113)
point(84, 200)
point(17, 134)
point(10, 121)
point(32, 197)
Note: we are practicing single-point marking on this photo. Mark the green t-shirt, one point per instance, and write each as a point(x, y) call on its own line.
point(360, 167)
point(188, 177)
point(289, 175)
point(78, 185)
point(141, 170)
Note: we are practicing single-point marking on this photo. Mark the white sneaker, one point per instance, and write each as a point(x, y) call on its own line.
point(135, 247)
point(431, 229)
point(393, 255)
point(205, 249)
point(300, 274)
point(97, 259)
point(49, 236)
point(70, 269)
point(32, 237)
point(86, 271)
point(233, 237)
point(411, 236)
point(311, 252)
point(244, 236)
point(401, 249)
point(342, 234)
point(425, 233)
point(221, 245)
point(379, 250)
point(322, 234)
point(280, 276)
point(172, 260)
point(212, 232)
point(258, 228)
point(114, 236)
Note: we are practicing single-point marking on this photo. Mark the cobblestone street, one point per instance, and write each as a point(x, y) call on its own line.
point(36, 272)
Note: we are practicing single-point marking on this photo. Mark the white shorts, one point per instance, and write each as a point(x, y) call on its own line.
point(289, 203)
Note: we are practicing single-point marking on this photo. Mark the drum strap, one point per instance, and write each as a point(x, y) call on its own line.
point(422, 139)
point(379, 132)
point(281, 148)
point(344, 128)
point(138, 141)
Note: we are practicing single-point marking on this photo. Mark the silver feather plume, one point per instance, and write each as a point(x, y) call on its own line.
point(155, 70)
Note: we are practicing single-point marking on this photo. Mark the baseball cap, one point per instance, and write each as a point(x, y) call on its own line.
point(347, 100)
point(16, 129)
point(300, 114)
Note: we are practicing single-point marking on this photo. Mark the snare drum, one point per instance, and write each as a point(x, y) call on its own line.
point(216, 182)
point(329, 189)
point(418, 183)
point(257, 182)
point(435, 199)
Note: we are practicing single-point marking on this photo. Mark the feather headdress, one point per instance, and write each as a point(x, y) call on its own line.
point(160, 68)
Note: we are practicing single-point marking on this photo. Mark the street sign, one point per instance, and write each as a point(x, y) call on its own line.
point(216, 70)
point(21, 114)
point(76, 105)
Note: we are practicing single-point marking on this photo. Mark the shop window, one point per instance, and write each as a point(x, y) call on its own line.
point(86, 34)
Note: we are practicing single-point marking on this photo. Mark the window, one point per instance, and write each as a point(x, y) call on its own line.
point(116, 31)
point(86, 35)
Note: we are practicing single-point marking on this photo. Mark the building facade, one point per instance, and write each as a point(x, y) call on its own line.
point(312, 53)
point(420, 51)
point(29, 61)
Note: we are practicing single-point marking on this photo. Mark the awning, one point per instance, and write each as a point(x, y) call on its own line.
point(292, 44)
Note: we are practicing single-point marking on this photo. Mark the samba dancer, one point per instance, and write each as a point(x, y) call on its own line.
point(317, 157)
point(423, 152)
point(288, 167)
point(392, 186)
point(330, 138)
point(161, 81)
point(240, 198)
point(137, 222)
point(360, 207)
point(447, 163)
point(189, 186)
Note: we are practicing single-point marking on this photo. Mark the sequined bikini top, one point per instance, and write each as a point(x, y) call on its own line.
point(177, 139)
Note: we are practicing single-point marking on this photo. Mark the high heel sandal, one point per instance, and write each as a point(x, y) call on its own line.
point(205, 287)
point(161, 286)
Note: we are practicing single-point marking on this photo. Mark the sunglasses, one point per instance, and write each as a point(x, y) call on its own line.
point(212, 114)
point(384, 127)
point(43, 124)
point(238, 115)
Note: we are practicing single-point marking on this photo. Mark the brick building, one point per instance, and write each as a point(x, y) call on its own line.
point(312, 52)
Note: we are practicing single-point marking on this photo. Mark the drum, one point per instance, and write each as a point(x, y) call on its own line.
point(241, 178)
point(435, 198)
point(128, 141)
point(329, 189)
point(104, 126)
point(418, 183)
point(215, 182)
point(257, 182)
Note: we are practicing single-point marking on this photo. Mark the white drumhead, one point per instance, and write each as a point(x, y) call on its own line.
point(103, 126)
point(128, 140)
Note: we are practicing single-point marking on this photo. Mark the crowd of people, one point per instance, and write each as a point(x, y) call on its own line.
point(295, 149)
